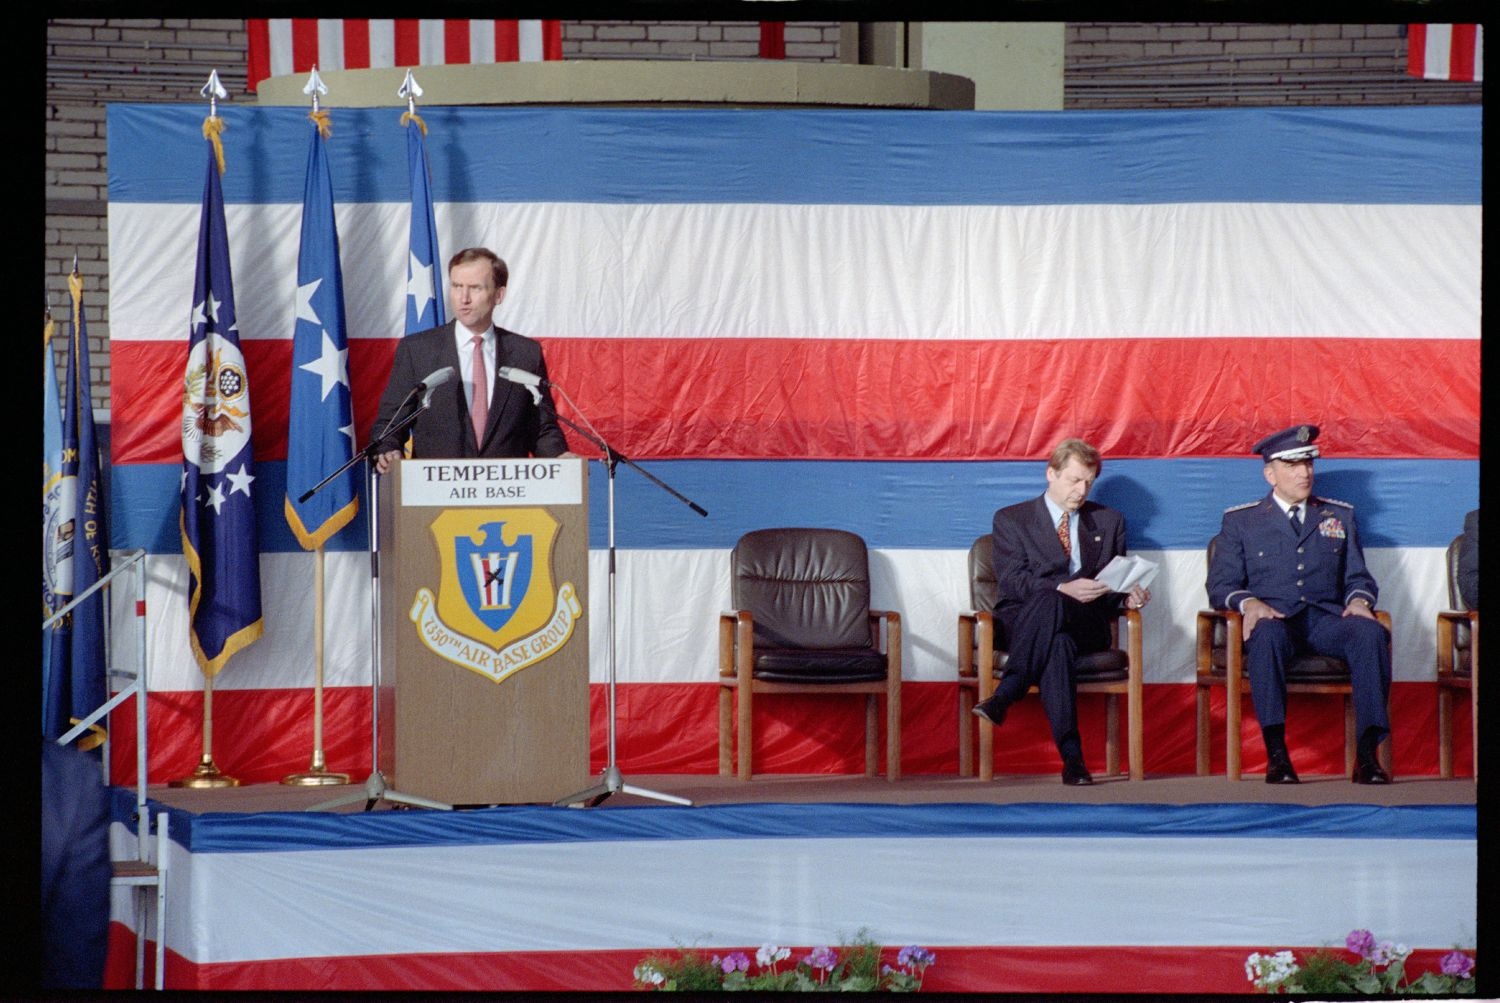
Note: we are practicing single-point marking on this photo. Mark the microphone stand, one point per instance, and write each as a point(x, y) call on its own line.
point(611, 781)
point(375, 785)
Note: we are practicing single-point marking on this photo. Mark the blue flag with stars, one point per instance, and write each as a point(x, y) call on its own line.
point(218, 468)
point(424, 287)
point(75, 685)
point(320, 429)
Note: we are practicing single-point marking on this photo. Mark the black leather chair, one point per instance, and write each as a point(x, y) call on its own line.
point(802, 623)
point(1221, 663)
point(1457, 663)
point(981, 662)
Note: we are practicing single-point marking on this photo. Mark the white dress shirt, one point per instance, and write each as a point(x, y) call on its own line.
point(465, 339)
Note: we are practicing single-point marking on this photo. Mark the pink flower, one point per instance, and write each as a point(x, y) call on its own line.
point(736, 961)
point(1361, 942)
point(823, 957)
point(1456, 963)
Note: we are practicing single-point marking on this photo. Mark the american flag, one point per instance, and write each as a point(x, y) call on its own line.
point(279, 46)
point(1445, 52)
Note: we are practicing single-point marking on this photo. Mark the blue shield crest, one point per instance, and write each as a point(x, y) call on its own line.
point(494, 575)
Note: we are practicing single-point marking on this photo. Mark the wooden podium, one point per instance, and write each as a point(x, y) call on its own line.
point(483, 694)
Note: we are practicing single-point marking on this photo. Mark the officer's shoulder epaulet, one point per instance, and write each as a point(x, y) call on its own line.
point(1236, 508)
point(1335, 501)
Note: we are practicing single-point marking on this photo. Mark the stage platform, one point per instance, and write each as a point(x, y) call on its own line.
point(1018, 885)
point(705, 790)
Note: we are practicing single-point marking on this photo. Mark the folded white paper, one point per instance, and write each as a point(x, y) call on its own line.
point(1124, 573)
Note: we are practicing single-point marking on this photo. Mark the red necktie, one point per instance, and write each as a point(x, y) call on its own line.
point(479, 407)
point(1062, 536)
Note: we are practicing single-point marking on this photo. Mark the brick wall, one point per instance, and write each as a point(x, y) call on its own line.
point(91, 62)
point(808, 41)
point(1108, 65)
point(1121, 65)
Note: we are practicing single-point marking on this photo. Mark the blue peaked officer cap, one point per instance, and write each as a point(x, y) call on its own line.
point(1295, 443)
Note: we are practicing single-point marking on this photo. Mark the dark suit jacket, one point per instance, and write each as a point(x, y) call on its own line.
point(75, 869)
point(1468, 562)
point(1259, 555)
point(1029, 558)
point(517, 427)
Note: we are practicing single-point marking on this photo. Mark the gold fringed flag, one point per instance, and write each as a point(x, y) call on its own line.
point(219, 536)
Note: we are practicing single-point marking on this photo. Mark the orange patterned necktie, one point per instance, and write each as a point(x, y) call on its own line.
point(479, 407)
point(1062, 536)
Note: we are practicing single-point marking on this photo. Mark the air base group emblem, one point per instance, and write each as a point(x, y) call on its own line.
point(497, 610)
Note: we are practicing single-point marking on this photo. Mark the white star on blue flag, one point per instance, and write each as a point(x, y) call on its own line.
point(320, 427)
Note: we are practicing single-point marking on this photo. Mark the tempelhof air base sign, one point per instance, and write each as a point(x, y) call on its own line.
point(484, 629)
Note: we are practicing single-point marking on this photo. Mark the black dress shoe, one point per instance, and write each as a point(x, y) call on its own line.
point(1369, 772)
point(1279, 771)
point(991, 710)
point(1075, 774)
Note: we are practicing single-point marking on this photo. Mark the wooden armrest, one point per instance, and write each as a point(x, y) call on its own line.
point(892, 632)
point(1207, 619)
point(734, 625)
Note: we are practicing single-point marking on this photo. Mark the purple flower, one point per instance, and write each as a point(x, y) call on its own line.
point(1361, 942)
point(823, 957)
point(914, 956)
point(736, 961)
point(1456, 963)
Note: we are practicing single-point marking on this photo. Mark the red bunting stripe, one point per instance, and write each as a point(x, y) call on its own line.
point(929, 400)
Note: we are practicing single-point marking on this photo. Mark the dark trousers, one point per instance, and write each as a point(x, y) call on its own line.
point(1043, 638)
point(1361, 642)
point(75, 869)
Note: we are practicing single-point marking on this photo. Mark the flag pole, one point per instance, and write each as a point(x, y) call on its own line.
point(207, 774)
point(317, 774)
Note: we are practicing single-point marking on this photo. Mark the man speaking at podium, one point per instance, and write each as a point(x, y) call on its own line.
point(479, 413)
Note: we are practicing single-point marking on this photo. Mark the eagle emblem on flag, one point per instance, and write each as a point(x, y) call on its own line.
point(215, 405)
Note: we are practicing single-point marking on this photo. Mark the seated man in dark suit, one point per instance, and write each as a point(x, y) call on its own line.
point(1468, 563)
point(1292, 565)
point(1050, 608)
point(479, 413)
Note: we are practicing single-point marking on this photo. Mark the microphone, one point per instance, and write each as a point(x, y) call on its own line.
point(435, 379)
point(522, 377)
point(432, 382)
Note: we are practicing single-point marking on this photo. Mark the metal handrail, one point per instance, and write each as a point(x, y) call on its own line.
point(135, 556)
point(136, 559)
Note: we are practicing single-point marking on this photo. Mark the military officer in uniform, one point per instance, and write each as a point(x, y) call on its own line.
point(1292, 565)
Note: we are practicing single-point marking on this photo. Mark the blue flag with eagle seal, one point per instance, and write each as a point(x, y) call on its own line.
point(78, 553)
point(218, 467)
point(320, 428)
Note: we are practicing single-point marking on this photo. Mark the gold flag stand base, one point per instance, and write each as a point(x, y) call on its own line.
point(315, 779)
point(206, 775)
point(316, 776)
